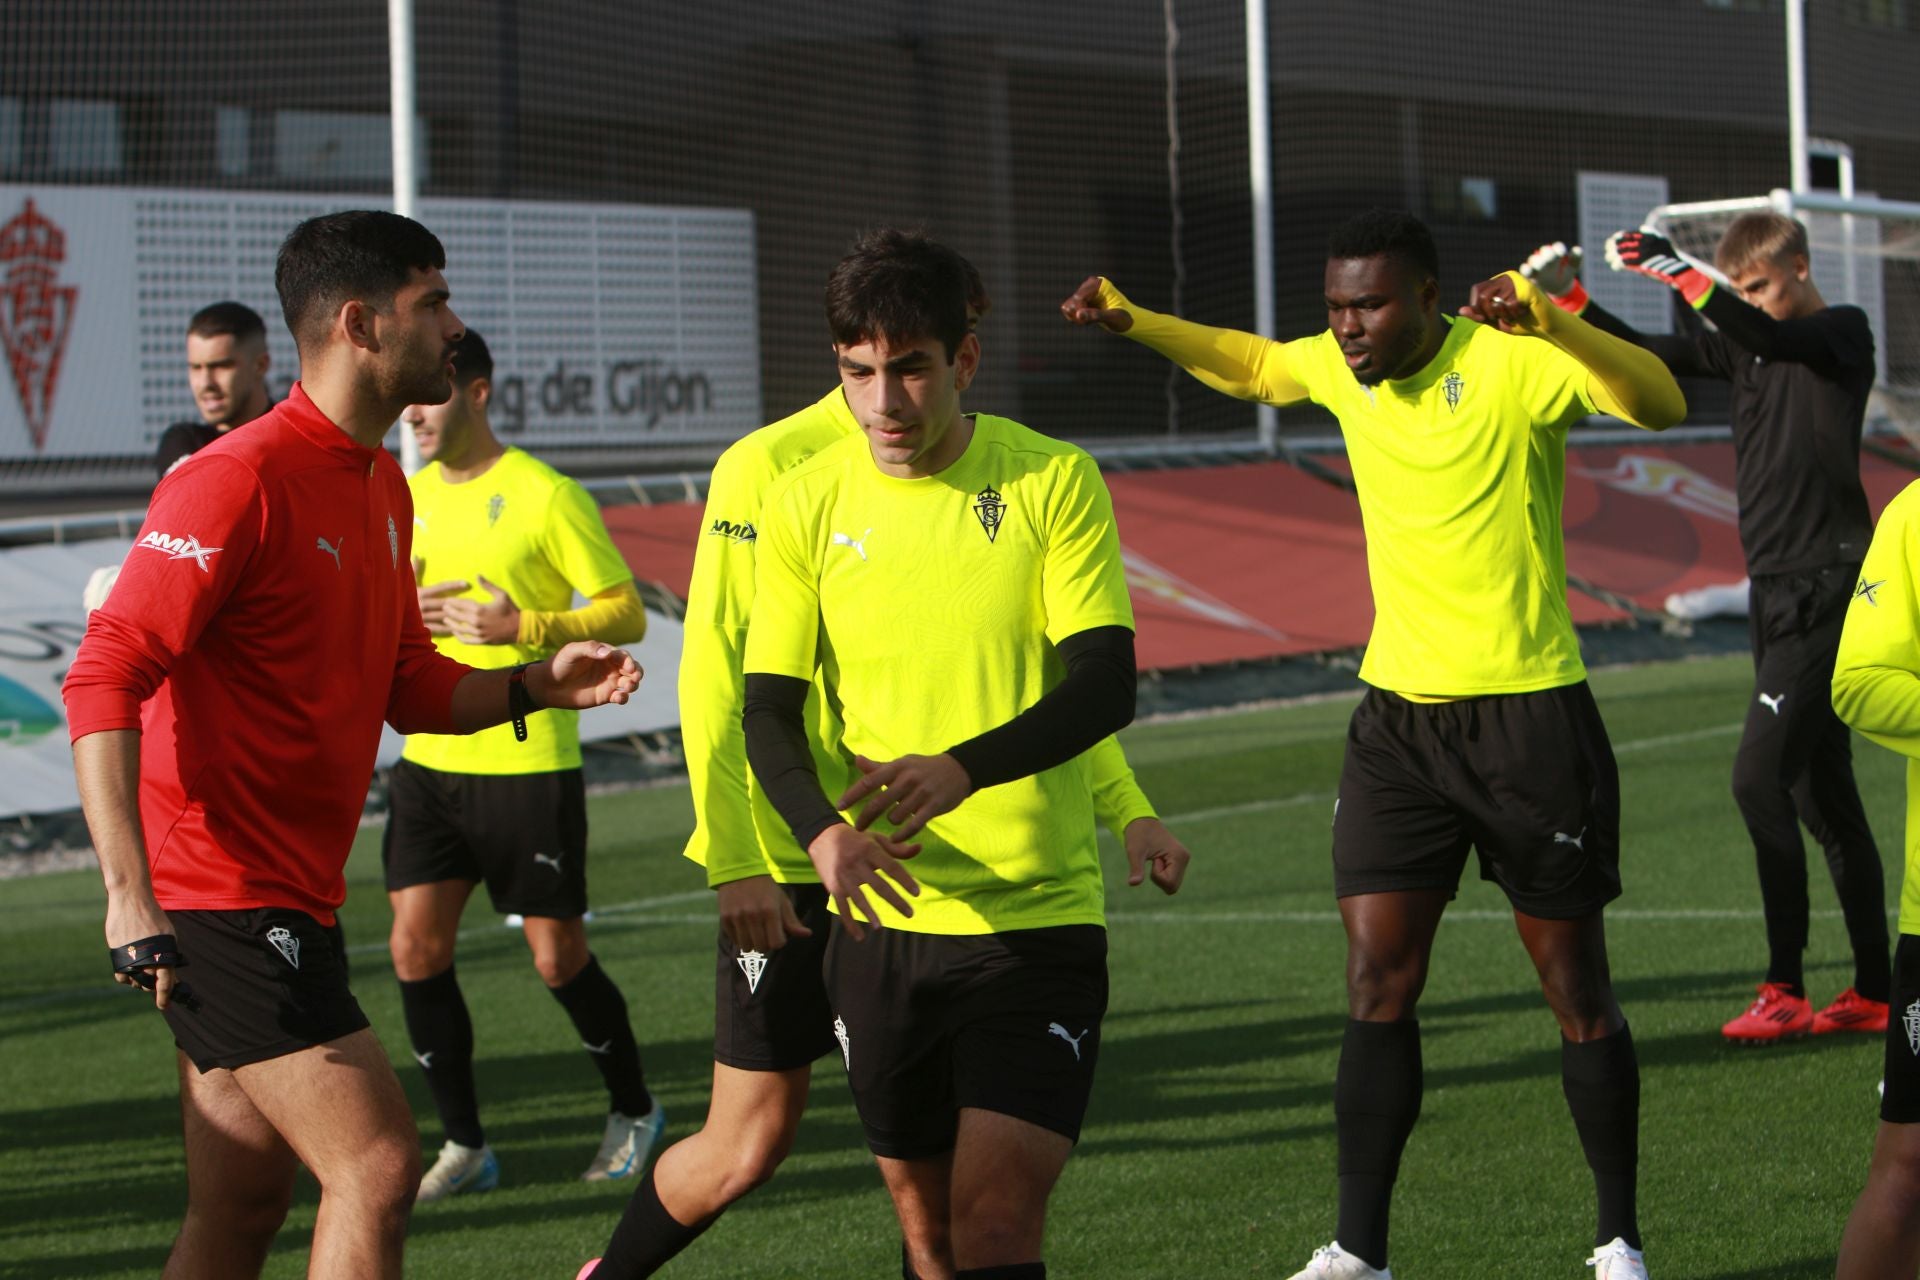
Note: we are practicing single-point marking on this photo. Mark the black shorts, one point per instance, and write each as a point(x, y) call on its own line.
point(1901, 1102)
point(259, 984)
point(1527, 779)
point(1003, 1022)
point(525, 834)
point(770, 1011)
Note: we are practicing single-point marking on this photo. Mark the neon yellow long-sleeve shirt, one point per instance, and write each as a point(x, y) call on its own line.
point(1876, 677)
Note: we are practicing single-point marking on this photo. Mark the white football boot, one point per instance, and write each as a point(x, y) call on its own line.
point(1331, 1262)
point(1617, 1260)
point(625, 1146)
point(459, 1169)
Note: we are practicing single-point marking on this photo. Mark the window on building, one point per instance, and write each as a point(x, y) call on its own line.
point(232, 141)
point(84, 136)
point(339, 145)
point(9, 135)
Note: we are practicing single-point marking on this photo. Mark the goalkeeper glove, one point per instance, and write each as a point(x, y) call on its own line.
point(1556, 270)
point(1652, 254)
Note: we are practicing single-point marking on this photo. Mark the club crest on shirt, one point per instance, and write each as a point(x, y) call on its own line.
point(393, 541)
point(1911, 1020)
point(495, 505)
point(1450, 386)
point(990, 509)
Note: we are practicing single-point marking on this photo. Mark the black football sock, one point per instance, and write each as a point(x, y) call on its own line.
point(646, 1237)
point(599, 1014)
point(441, 1033)
point(1011, 1271)
point(1376, 1099)
point(1601, 1079)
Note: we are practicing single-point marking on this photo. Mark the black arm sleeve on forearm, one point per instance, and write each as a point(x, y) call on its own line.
point(1094, 700)
point(1681, 355)
point(1822, 341)
point(775, 722)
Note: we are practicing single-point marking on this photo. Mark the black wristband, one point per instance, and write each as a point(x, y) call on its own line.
point(520, 701)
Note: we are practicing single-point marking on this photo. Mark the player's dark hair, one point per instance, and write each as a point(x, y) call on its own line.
point(227, 320)
point(361, 254)
point(471, 359)
point(1392, 233)
point(901, 287)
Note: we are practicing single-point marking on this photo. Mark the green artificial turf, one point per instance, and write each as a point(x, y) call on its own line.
point(1209, 1149)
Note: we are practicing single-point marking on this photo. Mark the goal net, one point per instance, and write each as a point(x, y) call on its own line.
point(1866, 252)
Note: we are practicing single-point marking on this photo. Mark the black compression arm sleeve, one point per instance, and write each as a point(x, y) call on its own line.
point(1822, 341)
point(775, 724)
point(1681, 355)
point(1094, 700)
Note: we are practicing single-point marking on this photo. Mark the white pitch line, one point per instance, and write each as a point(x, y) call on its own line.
point(648, 905)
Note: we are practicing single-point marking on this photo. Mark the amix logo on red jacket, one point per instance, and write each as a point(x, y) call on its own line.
point(187, 548)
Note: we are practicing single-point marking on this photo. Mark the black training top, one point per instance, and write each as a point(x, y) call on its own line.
point(182, 440)
point(1799, 395)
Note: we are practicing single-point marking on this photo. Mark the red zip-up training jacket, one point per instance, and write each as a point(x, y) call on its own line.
point(263, 626)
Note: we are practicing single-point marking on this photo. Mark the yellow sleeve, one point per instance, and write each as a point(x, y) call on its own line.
point(1117, 797)
point(1243, 365)
point(1083, 581)
point(1626, 381)
point(1876, 677)
point(615, 615)
point(712, 656)
point(786, 589)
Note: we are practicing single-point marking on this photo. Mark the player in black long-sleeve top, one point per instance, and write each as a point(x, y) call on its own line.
point(1800, 372)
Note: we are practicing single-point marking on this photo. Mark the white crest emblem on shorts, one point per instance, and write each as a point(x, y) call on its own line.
point(286, 944)
point(1912, 1023)
point(753, 964)
point(846, 1042)
point(393, 541)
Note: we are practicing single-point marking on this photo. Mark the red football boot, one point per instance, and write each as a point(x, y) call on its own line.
point(1777, 1015)
point(1851, 1011)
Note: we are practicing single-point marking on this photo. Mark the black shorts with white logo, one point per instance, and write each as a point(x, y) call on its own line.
point(1527, 779)
point(1003, 1022)
point(259, 984)
point(771, 1011)
point(1900, 1104)
point(524, 834)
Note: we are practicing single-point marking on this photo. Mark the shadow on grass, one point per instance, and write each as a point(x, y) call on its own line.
point(1818, 1267)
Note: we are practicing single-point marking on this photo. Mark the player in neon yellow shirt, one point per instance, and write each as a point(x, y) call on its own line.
point(1478, 729)
point(773, 1018)
point(505, 542)
point(1876, 689)
point(955, 582)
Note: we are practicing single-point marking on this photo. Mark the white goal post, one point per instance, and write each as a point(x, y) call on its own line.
point(1866, 252)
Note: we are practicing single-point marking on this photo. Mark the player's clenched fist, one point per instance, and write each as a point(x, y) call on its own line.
point(1096, 301)
point(1510, 301)
point(852, 863)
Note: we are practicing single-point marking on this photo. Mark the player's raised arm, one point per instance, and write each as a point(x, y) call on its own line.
point(1555, 268)
point(1243, 365)
point(1876, 678)
point(1627, 381)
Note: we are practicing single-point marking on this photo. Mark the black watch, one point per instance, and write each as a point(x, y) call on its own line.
point(520, 701)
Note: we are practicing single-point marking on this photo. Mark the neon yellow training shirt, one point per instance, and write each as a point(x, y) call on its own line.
point(738, 833)
point(931, 607)
point(1460, 471)
point(537, 535)
point(1876, 677)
